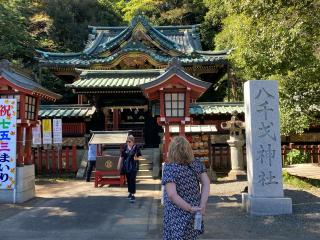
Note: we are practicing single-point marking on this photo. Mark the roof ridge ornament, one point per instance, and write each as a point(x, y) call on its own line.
point(175, 63)
point(139, 17)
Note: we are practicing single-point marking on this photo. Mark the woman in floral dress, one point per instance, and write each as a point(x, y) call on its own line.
point(182, 196)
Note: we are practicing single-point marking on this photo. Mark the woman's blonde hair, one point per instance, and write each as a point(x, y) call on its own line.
point(180, 151)
point(131, 138)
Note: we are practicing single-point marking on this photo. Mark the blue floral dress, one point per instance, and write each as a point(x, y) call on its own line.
point(177, 223)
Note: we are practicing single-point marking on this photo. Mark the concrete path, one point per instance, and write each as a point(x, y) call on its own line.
point(304, 170)
point(76, 210)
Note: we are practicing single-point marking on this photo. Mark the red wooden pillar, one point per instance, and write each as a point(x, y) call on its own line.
point(39, 151)
point(115, 119)
point(166, 142)
point(54, 161)
point(182, 128)
point(47, 161)
point(74, 158)
point(19, 146)
point(80, 98)
point(28, 140)
point(60, 160)
point(67, 160)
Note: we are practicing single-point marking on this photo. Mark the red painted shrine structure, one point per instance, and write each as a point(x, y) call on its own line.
point(28, 94)
point(175, 89)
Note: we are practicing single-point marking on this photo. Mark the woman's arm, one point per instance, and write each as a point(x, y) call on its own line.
point(177, 200)
point(138, 154)
point(119, 163)
point(205, 190)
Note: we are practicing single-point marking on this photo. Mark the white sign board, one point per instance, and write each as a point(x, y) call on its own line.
point(36, 135)
point(8, 131)
point(57, 131)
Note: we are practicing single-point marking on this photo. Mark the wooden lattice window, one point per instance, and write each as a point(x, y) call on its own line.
point(174, 104)
point(30, 107)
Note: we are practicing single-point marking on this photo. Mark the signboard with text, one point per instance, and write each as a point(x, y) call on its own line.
point(57, 131)
point(8, 130)
point(36, 135)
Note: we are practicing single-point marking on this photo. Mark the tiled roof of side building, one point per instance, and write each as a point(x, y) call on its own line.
point(114, 78)
point(23, 81)
point(73, 110)
point(210, 108)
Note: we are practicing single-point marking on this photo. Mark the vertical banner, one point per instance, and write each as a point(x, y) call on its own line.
point(36, 135)
point(46, 131)
point(57, 131)
point(8, 130)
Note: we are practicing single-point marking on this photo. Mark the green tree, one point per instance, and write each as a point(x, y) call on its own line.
point(171, 12)
point(15, 41)
point(61, 25)
point(276, 40)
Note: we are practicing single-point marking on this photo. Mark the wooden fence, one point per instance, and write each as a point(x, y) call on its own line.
point(312, 150)
point(55, 161)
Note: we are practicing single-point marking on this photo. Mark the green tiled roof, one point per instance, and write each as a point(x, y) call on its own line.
point(115, 78)
point(76, 110)
point(208, 108)
point(82, 61)
point(182, 42)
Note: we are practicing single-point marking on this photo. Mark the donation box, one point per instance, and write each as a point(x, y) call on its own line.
point(107, 163)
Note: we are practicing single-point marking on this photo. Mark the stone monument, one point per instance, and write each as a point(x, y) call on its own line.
point(236, 143)
point(264, 166)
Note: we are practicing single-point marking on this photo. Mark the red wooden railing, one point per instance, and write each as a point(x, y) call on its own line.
point(312, 150)
point(55, 161)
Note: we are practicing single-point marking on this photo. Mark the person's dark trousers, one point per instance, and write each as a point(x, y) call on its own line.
point(131, 180)
point(92, 164)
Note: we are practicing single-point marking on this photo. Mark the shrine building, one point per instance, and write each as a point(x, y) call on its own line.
point(141, 77)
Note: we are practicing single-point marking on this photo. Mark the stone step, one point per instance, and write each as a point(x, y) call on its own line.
point(145, 166)
point(145, 177)
point(144, 173)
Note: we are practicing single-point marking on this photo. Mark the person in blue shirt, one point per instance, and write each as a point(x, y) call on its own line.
point(92, 156)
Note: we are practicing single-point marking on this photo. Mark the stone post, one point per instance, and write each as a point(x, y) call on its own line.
point(236, 143)
point(264, 166)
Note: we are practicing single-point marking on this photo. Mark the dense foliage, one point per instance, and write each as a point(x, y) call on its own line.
point(275, 40)
point(270, 39)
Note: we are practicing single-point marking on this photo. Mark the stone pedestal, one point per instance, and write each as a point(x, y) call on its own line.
point(267, 205)
point(25, 186)
point(237, 166)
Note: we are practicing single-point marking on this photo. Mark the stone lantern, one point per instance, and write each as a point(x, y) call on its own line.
point(236, 143)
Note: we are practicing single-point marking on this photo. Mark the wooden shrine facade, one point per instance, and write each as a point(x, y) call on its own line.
point(117, 61)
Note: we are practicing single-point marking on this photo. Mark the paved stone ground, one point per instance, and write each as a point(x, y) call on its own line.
point(77, 210)
point(226, 220)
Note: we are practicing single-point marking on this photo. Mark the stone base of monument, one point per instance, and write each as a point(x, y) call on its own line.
point(239, 175)
point(25, 187)
point(266, 206)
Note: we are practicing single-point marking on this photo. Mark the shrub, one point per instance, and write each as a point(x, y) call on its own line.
point(294, 156)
